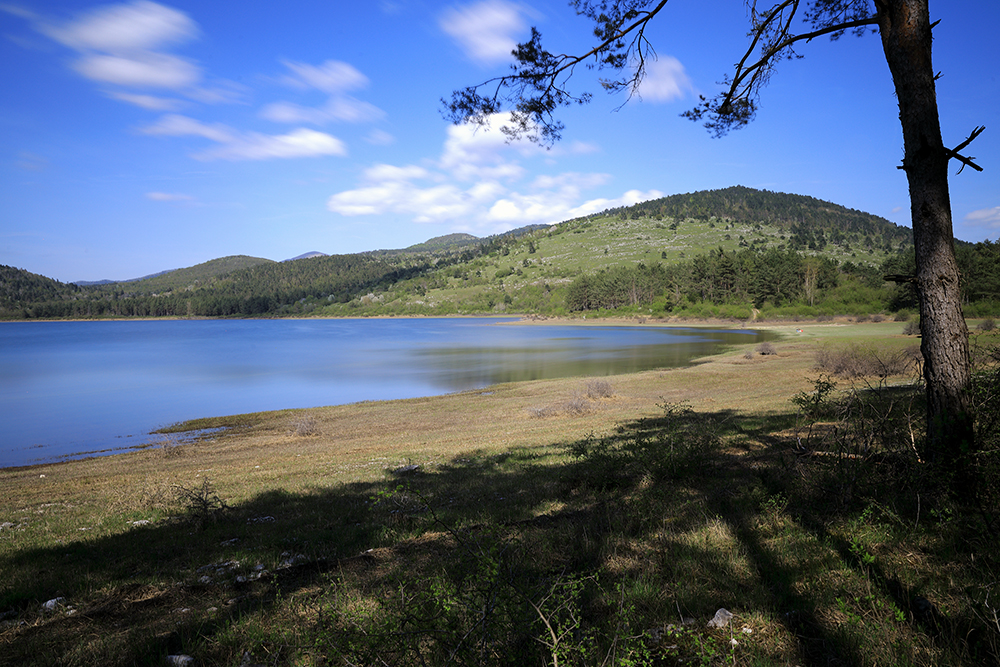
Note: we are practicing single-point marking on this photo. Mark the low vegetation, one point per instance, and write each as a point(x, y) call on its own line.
point(770, 508)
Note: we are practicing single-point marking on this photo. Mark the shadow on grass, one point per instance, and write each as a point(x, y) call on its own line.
point(617, 554)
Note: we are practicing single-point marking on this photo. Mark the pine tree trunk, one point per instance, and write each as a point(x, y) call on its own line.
point(906, 39)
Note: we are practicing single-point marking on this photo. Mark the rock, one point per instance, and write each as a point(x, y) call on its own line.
point(52, 605)
point(721, 619)
point(260, 519)
point(179, 661)
point(406, 470)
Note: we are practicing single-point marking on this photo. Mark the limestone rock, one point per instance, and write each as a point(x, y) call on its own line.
point(721, 619)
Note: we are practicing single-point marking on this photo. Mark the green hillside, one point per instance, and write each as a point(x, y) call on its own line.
point(19, 288)
point(732, 253)
point(193, 275)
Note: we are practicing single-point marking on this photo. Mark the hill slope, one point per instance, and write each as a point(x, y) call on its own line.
point(527, 269)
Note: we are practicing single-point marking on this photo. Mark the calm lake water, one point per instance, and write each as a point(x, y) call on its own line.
point(73, 389)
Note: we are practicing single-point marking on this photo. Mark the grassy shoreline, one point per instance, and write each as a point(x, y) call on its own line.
point(596, 517)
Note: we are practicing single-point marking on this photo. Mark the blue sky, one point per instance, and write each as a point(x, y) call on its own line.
point(137, 137)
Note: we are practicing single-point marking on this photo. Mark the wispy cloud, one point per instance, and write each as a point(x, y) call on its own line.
point(343, 109)
point(984, 217)
point(234, 145)
point(333, 77)
point(129, 46)
point(174, 125)
point(125, 44)
point(150, 102)
point(486, 31)
point(129, 28)
point(665, 81)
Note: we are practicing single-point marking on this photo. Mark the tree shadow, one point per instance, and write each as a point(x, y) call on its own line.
point(483, 559)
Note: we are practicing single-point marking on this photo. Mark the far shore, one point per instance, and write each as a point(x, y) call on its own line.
point(519, 318)
point(732, 380)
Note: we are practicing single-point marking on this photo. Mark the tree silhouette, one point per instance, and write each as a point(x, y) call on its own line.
point(538, 85)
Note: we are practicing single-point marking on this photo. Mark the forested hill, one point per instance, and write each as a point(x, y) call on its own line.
point(804, 218)
point(719, 253)
point(20, 286)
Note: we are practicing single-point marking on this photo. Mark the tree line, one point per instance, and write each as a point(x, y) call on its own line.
point(779, 277)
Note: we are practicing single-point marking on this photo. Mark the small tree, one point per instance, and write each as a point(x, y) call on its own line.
point(537, 87)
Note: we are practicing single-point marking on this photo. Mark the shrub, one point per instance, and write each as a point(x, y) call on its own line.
point(857, 362)
point(986, 325)
point(201, 503)
point(599, 389)
point(766, 348)
point(817, 404)
point(304, 425)
point(912, 328)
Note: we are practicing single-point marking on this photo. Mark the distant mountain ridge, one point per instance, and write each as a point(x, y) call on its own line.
point(307, 255)
point(527, 268)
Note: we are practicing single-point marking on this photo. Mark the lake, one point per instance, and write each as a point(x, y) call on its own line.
point(75, 389)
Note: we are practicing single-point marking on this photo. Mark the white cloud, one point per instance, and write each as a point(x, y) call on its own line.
point(985, 217)
point(665, 81)
point(434, 203)
point(301, 142)
point(388, 172)
point(472, 152)
point(155, 70)
point(627, 199)
point(345, 109)
point(174, 125)
point(123, 45)
point(297, 143)
point(147, 101)
point(486, 31)
point(332, 77)
point(138, 26)
point(475, 186)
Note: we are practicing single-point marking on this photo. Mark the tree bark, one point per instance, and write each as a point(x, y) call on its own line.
point(905, 29)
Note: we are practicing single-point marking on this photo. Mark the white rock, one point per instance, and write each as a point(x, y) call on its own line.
point(52, 605)
point(180, 661)
point(721, 619)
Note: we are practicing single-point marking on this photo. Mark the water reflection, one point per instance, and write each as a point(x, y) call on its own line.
point(73, 387)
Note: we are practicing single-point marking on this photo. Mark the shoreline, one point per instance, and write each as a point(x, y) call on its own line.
point(520, 318)
point(785, 330)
